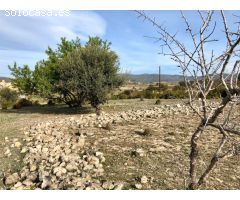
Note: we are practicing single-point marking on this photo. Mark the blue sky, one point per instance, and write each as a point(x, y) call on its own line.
point(24, 39)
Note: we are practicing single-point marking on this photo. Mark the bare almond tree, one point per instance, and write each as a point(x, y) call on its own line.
point(206, 70)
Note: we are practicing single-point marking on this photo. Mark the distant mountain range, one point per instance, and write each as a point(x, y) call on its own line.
point(151, 78)
point(5, 79)
point(141, 78)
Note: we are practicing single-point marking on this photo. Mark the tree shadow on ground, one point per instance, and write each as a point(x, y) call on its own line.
point(57, 109)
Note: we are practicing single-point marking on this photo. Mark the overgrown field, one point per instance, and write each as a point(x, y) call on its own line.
point(155, 160)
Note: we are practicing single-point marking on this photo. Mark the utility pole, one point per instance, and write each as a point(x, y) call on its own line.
point(159, 77)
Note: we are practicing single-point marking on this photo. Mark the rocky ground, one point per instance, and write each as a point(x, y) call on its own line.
point(3, 84)
point(134, 149)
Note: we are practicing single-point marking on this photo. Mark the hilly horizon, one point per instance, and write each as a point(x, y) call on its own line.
point(7, 79)
point(151, 78)
point(141, 78)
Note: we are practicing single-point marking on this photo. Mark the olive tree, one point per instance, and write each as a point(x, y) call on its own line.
point(73, 72)
point(88, 73)
point(46, 73)
point(23, 79)
point(42, 79)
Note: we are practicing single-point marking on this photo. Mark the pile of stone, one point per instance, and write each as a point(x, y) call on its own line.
point(56, 159)
point(56, 156)
point(93, 120)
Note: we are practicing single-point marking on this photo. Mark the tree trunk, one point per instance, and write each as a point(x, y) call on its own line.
point(193, 158)
point(98, 110)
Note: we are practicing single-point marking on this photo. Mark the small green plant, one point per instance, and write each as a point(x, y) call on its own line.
point(8, 97)
point(158, 102)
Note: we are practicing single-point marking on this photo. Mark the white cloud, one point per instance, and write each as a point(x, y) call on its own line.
point(36, 33)
point(8, 57)
point(24, 39)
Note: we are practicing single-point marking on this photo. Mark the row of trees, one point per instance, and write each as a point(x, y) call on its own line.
point(74, 73)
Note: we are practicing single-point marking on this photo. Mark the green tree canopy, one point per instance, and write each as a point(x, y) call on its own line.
point(23, 79)
point(90, 72)
point(74, 72)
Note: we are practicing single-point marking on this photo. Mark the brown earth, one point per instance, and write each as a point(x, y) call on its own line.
point(164, 159)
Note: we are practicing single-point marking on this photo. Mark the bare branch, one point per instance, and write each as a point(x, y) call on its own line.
point(226, 28)
point(207, 73)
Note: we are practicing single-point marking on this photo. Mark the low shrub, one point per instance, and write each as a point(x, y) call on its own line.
point(8, 97)
point(182, 83)
point(153, 92)
point(150, 94)
point(122, 96)
point(216, 93)
point(158, 102)
point(51, 102)
point(157, 87)
point(178, 88)
point(174, 94)
point(36, 103)
point(130, 94)
point(22, 103)
point(17, 106)
point(165, 92)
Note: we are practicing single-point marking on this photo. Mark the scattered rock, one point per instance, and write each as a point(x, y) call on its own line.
point(119, 186)
point(7, 152)
point(12, 179)
point(140, 131)
point(138, 186)
point(18, 185)
point(99, 154)
point(17, 144)
point(108, 185)
point(71, 167)
point(144, 180)
point(33, 168)
point(61, 162)
point(178, 106)
point(108, 126)
point(24, 150)
point(81, 141)
point(138, 152)
point(157, 149)
point(57, 157)
point(46, 182)
point(170, 174)
point(27, 182)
